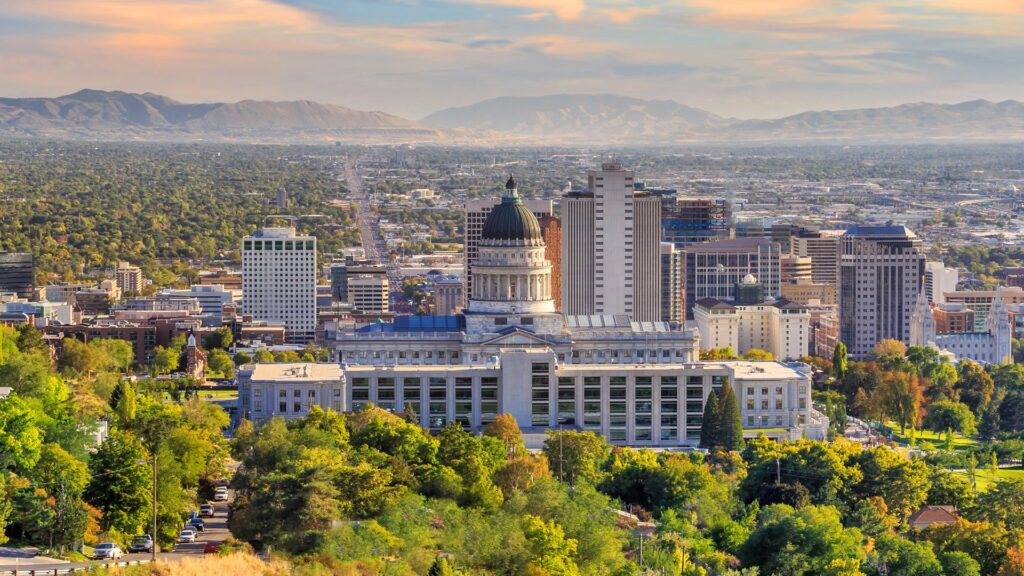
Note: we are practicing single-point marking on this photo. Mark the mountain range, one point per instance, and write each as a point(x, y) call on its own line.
point(593, 120)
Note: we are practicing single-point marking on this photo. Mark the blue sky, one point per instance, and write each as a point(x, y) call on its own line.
point(743, 58)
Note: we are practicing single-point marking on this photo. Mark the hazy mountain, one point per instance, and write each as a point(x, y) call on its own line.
point(974, 120)
point(96, 113)
point(577, 116)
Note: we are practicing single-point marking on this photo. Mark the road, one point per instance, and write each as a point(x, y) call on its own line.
point(370, 236)
point(216, 532)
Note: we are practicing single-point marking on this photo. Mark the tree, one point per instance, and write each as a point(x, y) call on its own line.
point(975, 386)
point(575, 456)
point(20, 439)
point(219, 339)
point(901, 557)
point(757, 354)
point(806, 541)
point(888, 351)
point(901, 482)
point(959, 564)
point(441, 567)
point(550, 550)
point(220, 362)
point(242, 358)
point(76, 359)
point(943, 378)
point(711, 423)
point(124, 404)
point(165, 360)
point(839, 361)
point(506, 429)
point(726, 353)
point(730, 432)
point(900, 398)
point(520, 473)
point(263, 356)
point(946, 414)
point(120, 485)
point(1002, 504)
point(65, 479)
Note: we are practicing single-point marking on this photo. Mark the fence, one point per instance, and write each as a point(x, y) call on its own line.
point(69, 569)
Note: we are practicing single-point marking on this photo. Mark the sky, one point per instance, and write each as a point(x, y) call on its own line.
point(738, 58)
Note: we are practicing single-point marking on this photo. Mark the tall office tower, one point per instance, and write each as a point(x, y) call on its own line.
point(340, 273)
point(880, 275)
point(279, 280)
point(938, 280)
point(476, 214)
point(673, 268)
point(686, 221)
point(551, 231)
point(822, 247)
point(753, 226)
point(368, 293)
point(18, 273)
point(448, 296)
point(613, 233)
point(714, 269)
point(128, 278)
point(796, 269)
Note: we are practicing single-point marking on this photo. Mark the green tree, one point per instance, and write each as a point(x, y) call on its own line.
point(165, 360)
point(839, 361)
point(900, 398)
point(65, 479)
point(809, 540)
point(20, 440)
point(975, 386)
point(120, 484)
point(901, 557)
point(219, 361)
point(123, 402)
point(576, 456)
point(903, 483)
point(730, 431)
point(946, 414)
point(711, 423)
point(242, 358)
point(959, 564)
point(506, 429)
point(263, 356)
point(441, 567)
point(550, 550)
point(219, 339)
point(757, 354)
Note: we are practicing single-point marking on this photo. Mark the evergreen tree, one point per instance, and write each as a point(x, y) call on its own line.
point(441, 567)
point(730, 428)
point(409, 414)
point(839, 361)
point(709, 427)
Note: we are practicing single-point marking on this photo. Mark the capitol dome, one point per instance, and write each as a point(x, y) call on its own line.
point(749, 279)
point(511, 223)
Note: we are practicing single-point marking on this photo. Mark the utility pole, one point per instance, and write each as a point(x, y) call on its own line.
point(560, 457)
point(778, 472)
point(152, 549)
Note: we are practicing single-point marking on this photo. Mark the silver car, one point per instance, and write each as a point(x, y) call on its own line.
point(107, 551)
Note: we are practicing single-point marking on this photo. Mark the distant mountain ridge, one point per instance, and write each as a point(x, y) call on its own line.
point(608, 119)
point(569, 116)
point(98, 112)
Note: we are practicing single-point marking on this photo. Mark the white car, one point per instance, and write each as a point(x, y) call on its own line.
point(220, 495)
point(107, 551)
point(187, 536)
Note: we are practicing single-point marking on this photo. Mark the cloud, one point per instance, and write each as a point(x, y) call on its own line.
point(487, 43)
point(562, 9)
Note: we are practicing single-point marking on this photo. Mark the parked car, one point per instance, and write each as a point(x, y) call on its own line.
point(207, 511)
point(220, 495)
point(197, 524)
point(211, 548)
point(141, 543)
point(187, 536)
point(106, 551)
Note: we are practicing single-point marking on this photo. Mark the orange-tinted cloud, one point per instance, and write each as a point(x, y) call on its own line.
point(563, 9)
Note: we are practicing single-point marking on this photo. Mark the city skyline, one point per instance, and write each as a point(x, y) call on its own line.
point(744, 59)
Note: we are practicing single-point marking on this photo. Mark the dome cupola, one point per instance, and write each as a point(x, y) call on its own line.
point(511, 223)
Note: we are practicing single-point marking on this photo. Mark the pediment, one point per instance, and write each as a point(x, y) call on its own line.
point(515, 337)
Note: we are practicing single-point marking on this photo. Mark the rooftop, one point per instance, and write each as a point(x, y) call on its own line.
point(296, 372)
point(734, 244)
point(885, 231)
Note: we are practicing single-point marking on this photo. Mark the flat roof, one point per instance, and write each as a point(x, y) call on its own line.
point(296, 372)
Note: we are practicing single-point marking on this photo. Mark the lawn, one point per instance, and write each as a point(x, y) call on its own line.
point(936, 438)
point(218, 394)
point(986, 479)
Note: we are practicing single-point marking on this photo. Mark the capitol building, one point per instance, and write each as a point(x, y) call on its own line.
point(511, 351)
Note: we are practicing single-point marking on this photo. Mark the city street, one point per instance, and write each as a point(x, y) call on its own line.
point(216, 532)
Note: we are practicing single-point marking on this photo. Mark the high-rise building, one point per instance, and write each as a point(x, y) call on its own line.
point(673, 269)
point(340, 273)
point(686, 221)
point(714, 269)
point(611, 247)
point(779, 327)
point(980, 301)
point(129, 278)
point(938, 280)
point(17, 273)
point(822, 247)
point(476, 212)
point(279, 280)
point(796, 269)
point(448, 294)
point(880, 275)
point(368, 293)
point(551, 231)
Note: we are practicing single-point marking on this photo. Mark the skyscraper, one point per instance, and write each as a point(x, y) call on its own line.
point(551, 231)
point(673, 269)
point(129, 278)
point(279, 280)
point(17, 273)
point(611, 248)
point(880, 275)
point(476, 212)
point(822, 247)
point(714, 269)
